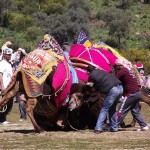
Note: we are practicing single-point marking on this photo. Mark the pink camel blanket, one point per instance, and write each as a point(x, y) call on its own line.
point(61, 82)
point(101, 57)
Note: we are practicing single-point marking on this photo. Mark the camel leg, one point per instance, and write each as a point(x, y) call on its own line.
point(30, 106)
point(144, 97)
point(9, 95)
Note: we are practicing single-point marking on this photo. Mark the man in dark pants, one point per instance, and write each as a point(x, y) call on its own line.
point(131, 96)
point(111, 87)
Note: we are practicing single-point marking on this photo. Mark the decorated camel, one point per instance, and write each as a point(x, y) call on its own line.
point(45, 77)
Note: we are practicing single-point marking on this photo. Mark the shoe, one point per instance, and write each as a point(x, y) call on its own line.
point(5, 122)
point(143, 128)
point(98, 131)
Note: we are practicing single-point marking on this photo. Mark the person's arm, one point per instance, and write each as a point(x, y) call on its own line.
point(119, 74)
point(1, 82)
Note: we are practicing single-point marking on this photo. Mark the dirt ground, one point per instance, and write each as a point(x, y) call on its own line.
point(20, 135)
point(22, 128)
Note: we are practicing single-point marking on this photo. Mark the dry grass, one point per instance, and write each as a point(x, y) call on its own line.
point(20, 135)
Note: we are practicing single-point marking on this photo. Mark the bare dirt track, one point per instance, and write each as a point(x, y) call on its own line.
point(20, 135)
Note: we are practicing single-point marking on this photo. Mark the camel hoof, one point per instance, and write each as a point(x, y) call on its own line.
point(61, 120)
point(60, 124)
point(39, 131)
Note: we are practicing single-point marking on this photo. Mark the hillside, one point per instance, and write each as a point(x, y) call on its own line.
point(139, 34)
point(121, 25)
point(19, 21)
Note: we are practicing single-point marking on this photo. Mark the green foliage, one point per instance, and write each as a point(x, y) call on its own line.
point(40, 19)
point(6, 18)
point(32, 33)
point(142, 54)
point(20, 21)
point(24, 22)
point(106, 2)
point(119, 24)
point(78, 18)
point(57, 27)
point(54, 8)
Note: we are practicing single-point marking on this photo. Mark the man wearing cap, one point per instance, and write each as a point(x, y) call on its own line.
point(139, 65)
point(140, 69)
point(7, 44)
point(6, 73)
point(131, 96)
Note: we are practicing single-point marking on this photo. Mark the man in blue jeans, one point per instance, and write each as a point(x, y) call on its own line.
point(111, 87)
point(22, 106)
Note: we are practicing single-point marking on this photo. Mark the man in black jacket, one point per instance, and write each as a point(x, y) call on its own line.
point(111, 87)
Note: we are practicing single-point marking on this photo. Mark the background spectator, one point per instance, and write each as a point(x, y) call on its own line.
point(6, 73)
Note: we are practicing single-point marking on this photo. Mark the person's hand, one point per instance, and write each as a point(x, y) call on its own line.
point(22, 97)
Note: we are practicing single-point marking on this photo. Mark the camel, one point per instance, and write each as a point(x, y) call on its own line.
point(44, 100)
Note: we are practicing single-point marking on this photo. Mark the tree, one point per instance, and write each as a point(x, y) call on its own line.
point(78, 15)
point(106, 2)
point(1, 14)
point(4, 12)
point(119, 24)
point(146, 1)
point(66, 25)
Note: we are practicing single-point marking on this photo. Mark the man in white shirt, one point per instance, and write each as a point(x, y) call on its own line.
point(6, 73)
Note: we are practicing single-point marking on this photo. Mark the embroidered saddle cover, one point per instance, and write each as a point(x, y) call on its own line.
point(35, 68)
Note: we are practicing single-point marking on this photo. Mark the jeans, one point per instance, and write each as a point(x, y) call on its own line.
point(22, 108)
point(131, 103)
point(109, 106)
point(2, 117)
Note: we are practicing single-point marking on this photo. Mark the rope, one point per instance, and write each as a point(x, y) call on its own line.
point(72, 126)
point(3, 109)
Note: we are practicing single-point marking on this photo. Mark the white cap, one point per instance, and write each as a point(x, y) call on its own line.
point(7, 51)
